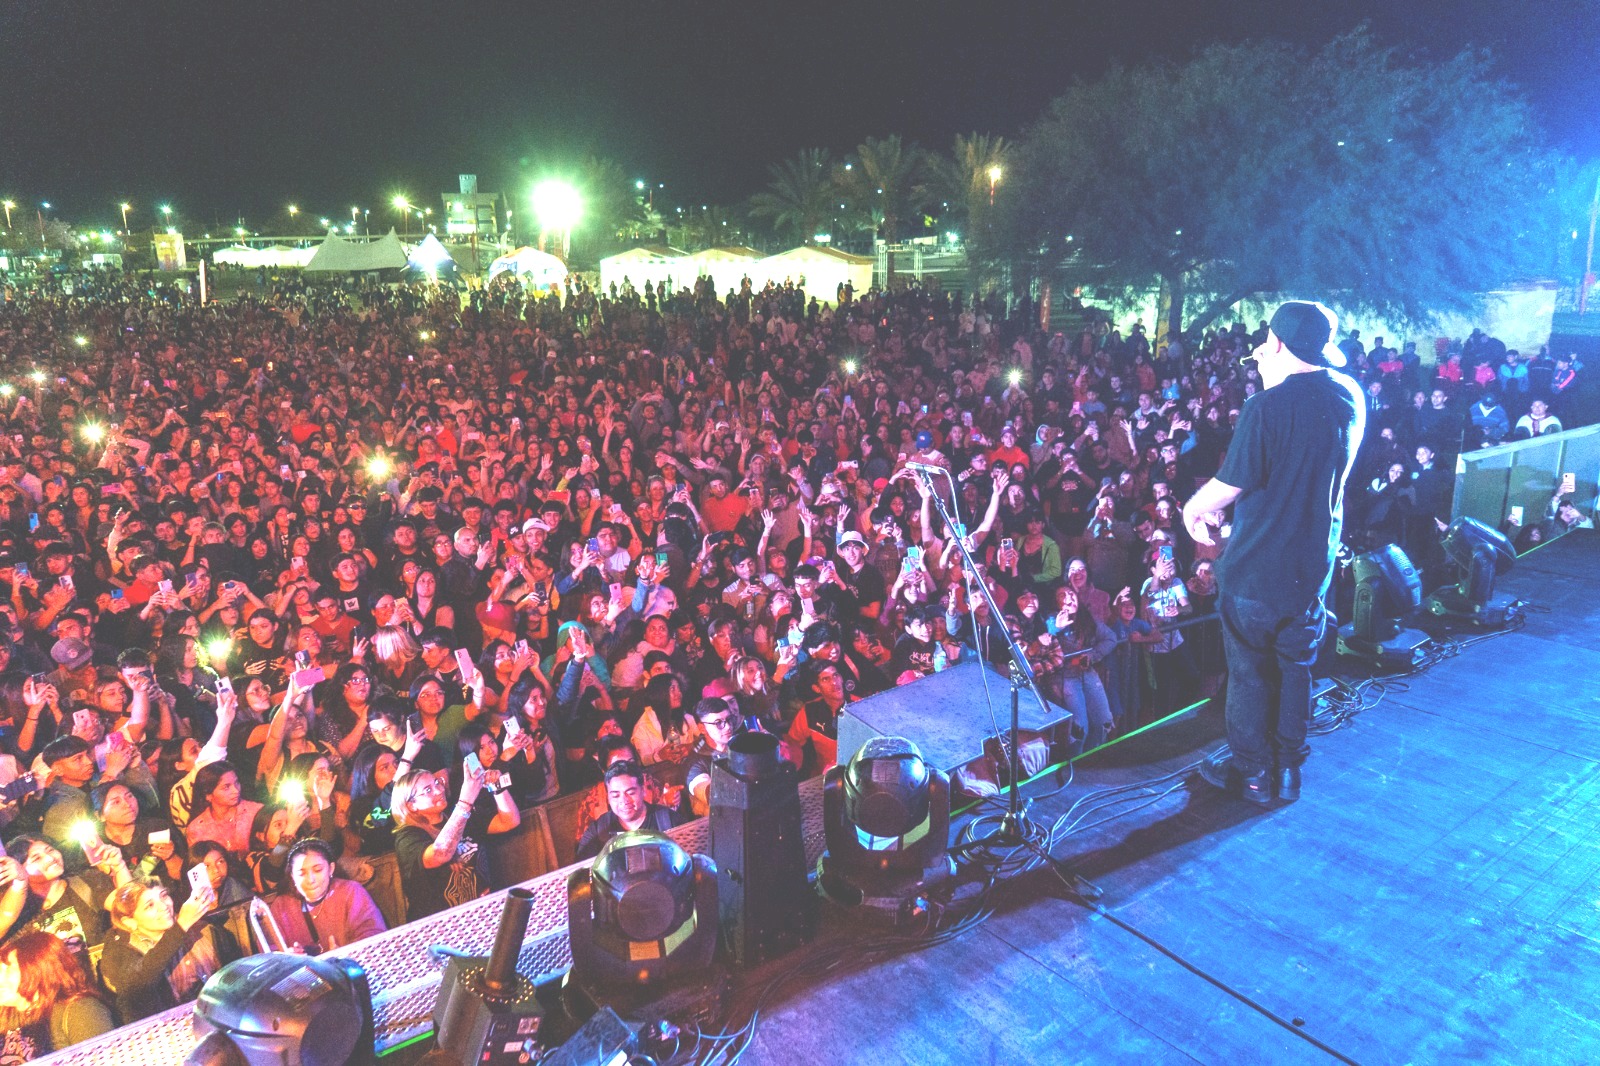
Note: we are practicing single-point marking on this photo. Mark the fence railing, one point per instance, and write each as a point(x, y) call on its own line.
point(1492, 483)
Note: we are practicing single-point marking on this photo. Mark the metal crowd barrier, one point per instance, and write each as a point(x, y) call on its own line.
point(403, 974)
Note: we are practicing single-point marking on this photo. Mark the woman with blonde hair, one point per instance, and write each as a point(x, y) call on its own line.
point(399, 656)
point(439, 864)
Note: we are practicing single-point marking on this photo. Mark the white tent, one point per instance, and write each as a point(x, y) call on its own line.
point(337, 255)
point(535, 268)
point(727, 267)
point(276, 257)
point(430, 256)
point(658, 264)
point(821, 269)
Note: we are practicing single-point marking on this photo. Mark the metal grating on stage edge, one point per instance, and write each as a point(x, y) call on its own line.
point(403, 974)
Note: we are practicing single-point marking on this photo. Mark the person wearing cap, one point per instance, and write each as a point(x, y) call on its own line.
point(864, 582)
point(1285, 472)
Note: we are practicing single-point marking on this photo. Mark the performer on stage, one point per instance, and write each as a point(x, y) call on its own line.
point(1286, 470)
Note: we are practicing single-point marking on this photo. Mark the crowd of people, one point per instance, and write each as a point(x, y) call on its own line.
point(1477, 393)
point(294, 581)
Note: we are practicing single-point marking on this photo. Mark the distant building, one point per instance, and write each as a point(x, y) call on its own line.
point(470, 213)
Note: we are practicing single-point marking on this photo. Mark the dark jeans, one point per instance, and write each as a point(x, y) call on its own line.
point(1269, 681)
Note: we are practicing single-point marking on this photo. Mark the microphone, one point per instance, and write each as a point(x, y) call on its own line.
point(928, 468)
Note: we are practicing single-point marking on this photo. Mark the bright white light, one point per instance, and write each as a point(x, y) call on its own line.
point(557, 205)
point(1014, 376)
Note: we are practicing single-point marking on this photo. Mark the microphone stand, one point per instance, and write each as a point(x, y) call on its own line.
point(1014, 830)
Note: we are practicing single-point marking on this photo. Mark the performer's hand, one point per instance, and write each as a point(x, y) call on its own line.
point(1199, 529)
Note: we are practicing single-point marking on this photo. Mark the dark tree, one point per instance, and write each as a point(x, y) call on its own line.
point(1391, 186)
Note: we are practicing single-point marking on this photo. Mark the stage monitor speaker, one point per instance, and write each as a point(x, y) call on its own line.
point(767, 907)
point(948, 715)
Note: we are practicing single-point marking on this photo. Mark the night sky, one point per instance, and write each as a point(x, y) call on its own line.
point(228, 108)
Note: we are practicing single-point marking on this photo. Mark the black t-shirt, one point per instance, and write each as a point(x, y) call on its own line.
point(429, 891)
point(866, 584)
point(1290, 456)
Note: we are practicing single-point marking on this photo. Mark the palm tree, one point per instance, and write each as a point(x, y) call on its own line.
point(799, 197)
point(885, 174)
point(610, 208)
point(966, 180)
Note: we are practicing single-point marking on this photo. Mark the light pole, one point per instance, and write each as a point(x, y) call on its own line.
point(294, 211)
point(994, 179)
point(125, 205)
point(9, 204)
point(166, 213)
point(402, 205)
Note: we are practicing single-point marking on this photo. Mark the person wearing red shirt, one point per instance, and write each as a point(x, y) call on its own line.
point(1008, 452)
point(721, 509)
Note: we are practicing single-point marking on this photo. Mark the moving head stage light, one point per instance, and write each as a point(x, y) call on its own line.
point(277, 1009)
point(887, 821)
point(1388, 593)
point(643, 923)
point(1479, 554)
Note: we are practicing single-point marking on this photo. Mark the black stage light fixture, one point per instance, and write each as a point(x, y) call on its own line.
point(641, 917)
point(758, 844)
point(1479, 554)
point(887, 821)
point(284, 1010)
point(1388, 593)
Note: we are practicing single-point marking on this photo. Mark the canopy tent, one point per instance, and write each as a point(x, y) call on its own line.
point(276, 257)
point(337, 255)
point(658, 264)
point(727, 267)
point(473, 258)
point(822, 270)
point(431, 258)
point(533, 267)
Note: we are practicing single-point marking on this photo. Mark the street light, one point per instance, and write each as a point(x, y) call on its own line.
point(558, 207)
point(402, 205)
point(994, 179)
point(166, 211)
point(293, 210)
point(125, 206)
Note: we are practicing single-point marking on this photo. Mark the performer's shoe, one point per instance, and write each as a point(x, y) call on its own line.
point(1289, 783)
point(1257, 788)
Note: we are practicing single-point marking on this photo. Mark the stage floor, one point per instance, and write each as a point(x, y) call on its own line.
point(1434, 896)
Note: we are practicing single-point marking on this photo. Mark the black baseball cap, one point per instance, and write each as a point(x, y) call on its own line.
point(1307, 330)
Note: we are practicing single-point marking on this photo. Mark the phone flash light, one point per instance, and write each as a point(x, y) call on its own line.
point(1014, 376)
point(378, 468)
